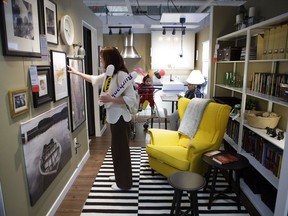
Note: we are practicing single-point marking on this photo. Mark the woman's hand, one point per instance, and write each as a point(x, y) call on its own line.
point(106, 98)
point(72, 70)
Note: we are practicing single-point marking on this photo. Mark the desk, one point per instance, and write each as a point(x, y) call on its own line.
point(170, 98)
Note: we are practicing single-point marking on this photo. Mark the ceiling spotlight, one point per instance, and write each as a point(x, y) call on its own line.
point(173, 32)
point(110, 31)
point(120, 31)
point(183, 32)
point(164, 31)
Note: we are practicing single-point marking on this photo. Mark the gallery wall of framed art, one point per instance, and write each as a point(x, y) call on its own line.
point(40, 189)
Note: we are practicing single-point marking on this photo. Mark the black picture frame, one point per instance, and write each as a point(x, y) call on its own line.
point(76, 94)
point(59, 74)
point(18, 37)
point(45, 93)
point(49, 20)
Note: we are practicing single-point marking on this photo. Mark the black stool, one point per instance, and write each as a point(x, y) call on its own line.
point(235, 167)
point(186, 181)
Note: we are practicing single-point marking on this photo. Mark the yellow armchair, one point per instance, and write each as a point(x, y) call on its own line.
point(170, 151)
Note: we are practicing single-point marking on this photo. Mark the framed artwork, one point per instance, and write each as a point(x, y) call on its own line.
point(49, 11)
point(45, 93)
point(59, 68)
point(19, 102)
point(20, 28)
point(76, 94)
point(46, 147)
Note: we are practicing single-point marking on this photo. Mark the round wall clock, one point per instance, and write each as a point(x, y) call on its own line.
point(67, 30)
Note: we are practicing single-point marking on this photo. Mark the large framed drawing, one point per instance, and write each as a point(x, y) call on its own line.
point(46, 148)
point(59, 68)
point(76, 94)
point(19, 101)
point(20, 28)
point(49, 10)
point(45, 93)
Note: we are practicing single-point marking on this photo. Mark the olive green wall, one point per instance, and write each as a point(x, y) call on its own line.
point(14, 75)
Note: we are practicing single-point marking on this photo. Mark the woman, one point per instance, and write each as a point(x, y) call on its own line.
point(118, 115)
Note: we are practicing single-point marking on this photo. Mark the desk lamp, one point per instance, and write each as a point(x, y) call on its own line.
point(196, 78)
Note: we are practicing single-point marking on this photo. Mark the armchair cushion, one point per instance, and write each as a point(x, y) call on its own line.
point(175, 156)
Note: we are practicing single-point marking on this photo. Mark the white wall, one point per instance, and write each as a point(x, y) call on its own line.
point(166, 50)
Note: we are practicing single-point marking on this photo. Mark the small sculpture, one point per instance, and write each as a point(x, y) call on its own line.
point(280, 135)
point(271, 132)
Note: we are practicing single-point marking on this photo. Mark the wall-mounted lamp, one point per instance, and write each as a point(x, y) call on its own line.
point(120, 29)
point(174, 29)
point(79, 51)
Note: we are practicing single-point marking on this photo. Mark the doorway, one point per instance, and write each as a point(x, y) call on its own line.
point(87, 43)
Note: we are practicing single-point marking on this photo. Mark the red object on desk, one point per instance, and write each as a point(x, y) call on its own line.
point(224, 158)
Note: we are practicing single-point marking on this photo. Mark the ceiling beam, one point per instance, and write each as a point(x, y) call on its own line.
point(161, 2)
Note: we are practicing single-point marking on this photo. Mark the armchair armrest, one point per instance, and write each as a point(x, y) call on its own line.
point(199, 148)
point(163, 137)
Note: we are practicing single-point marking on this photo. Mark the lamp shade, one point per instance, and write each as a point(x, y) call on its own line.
point(195, 78)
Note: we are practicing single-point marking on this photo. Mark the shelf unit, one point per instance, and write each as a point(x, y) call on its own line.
point(244, 68)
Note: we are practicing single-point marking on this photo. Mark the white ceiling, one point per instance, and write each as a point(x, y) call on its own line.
point(142, 14)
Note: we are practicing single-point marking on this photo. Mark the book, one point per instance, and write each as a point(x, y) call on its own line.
point(224, 158)
point(211, 153)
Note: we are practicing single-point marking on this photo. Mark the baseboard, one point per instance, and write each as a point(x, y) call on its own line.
point(65, 190)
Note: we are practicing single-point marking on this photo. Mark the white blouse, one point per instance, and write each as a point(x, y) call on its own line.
point(115, 110)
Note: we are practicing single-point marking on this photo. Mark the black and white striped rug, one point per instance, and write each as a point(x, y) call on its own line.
point(150, 195)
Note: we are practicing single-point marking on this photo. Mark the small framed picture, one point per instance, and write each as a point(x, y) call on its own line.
point(45, 93)
point(49, 10)
point(20, 28)
point(59, 68)
point(19, 102)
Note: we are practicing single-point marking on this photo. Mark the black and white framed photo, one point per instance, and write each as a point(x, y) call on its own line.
point(50, 20)
point(76, 94)
point(46, 147)
point(19, 101)
point(59, 68)
point(20, 28)
point(45, 93)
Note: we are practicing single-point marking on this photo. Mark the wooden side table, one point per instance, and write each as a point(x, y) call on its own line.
point(230, 167)
point(186, 181)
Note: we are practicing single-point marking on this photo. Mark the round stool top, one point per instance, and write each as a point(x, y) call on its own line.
point(236, 165)
point(186, 181)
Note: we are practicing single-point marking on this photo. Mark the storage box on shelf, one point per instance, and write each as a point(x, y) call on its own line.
point(262, 79)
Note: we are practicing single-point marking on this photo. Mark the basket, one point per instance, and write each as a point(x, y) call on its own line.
point(255, 119)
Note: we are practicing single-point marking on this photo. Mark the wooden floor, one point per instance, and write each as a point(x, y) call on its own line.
point(75, 198)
